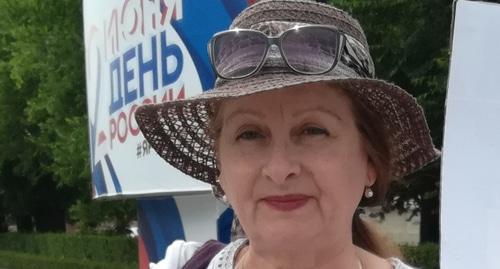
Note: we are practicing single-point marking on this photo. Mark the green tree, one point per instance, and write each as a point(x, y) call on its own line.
point(33, 85)
point(44, 154)
point(410, 44)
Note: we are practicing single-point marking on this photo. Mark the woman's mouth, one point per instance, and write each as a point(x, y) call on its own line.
point(287, 202)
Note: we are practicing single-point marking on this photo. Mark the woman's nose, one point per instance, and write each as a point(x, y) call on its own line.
point(282, 163)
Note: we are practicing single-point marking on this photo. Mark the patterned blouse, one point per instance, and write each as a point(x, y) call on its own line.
point(224, 259)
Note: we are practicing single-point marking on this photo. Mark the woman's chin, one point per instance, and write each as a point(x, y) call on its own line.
point(286, 230)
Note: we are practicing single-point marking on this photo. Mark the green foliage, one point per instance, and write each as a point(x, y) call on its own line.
point(43, 73)
point(42, 99)
point(44, 152)
point(88, 215)
point(423, 256)
point(97, 248)
point(16, 260)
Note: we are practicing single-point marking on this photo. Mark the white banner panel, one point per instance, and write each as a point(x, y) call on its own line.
point(139, 52)
point(470, 200)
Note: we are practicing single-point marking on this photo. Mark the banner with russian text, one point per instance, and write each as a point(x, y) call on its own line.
point(141, 52)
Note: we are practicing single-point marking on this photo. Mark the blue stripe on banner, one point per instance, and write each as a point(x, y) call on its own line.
point(224, 223)
point(116, 182)
point(161, 222)
point(98, 179)
point(234, 7)
point(201, 19)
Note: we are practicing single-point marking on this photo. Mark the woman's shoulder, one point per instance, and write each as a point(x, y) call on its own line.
point(224, 259)
point(177, 254)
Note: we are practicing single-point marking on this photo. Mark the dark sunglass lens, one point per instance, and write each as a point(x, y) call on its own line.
point(238, 53)
point(311, 50)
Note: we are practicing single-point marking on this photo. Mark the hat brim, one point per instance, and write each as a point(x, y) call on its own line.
point(178, 131)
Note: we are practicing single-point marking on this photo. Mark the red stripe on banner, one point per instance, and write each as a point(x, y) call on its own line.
point(143, 255)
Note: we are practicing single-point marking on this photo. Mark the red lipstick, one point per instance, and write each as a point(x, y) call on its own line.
point(286, 202)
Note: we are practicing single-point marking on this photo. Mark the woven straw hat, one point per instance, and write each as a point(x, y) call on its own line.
point(179, 132)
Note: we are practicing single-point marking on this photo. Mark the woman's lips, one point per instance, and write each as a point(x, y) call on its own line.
point(286, 202)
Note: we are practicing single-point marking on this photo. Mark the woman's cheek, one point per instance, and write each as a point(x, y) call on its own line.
point(237, 184)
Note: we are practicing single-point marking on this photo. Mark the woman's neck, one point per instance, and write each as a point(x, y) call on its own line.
point(306, 256)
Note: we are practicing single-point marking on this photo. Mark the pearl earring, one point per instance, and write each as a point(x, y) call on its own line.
point(368, 192)
point(224, 198)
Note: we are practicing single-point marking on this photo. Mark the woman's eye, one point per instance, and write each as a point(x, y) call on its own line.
point(249, 135)
point(315, 131)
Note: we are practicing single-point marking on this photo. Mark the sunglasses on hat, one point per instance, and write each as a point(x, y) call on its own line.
point(308, 50)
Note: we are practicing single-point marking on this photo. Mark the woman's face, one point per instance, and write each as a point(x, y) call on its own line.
point(292, 163)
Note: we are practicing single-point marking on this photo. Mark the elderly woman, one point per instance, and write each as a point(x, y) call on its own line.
point(296, 134)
